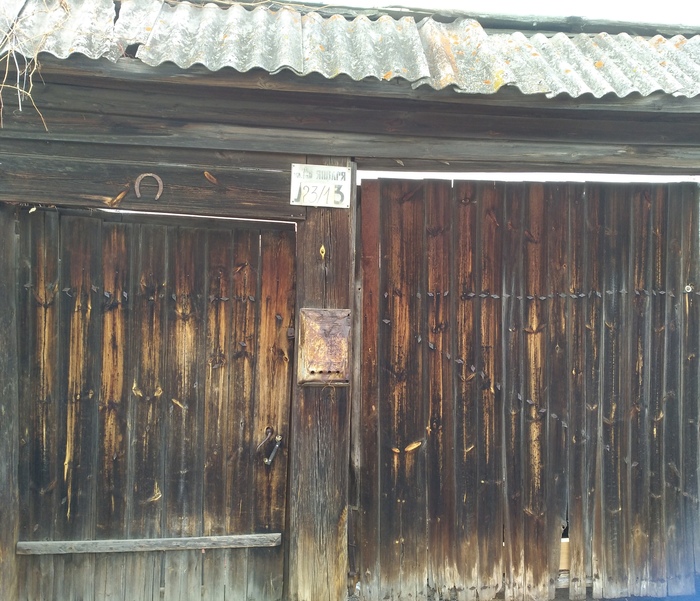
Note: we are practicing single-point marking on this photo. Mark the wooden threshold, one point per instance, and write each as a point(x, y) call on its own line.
point(239, 541)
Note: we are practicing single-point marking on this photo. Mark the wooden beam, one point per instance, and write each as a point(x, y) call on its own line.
point(104, 182)
point(9, 406)
point(64, 547)
point(130, 69)
point(320, 440)
point(376, 149)
point(76, 102)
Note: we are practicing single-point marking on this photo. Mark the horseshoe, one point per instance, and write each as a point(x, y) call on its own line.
point(137, 184)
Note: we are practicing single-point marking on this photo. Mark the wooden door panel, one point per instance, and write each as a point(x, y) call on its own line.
point(155, 358)
point(528, 365)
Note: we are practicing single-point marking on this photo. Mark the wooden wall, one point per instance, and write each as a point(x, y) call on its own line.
point(153, 356)
point(9, 404)
point(529, 361)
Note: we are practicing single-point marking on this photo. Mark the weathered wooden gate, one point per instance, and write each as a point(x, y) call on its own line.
point(530, 359)
point(155, 387)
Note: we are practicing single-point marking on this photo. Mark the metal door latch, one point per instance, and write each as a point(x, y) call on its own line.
point(268, 435)
point(278, 443)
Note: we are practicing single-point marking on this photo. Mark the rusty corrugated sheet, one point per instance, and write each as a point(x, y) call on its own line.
point(460, 54)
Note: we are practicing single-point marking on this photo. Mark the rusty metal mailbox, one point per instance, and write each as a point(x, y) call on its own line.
point(324, 347)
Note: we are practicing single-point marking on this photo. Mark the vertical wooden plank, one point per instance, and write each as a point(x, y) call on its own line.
point(146, 430)
point(657, 516)
point(489, 395)
point(319, 456)
point(372, 453)
point(593, 250)
point(402, 522)
point(437, 358)
point(114, 399)
point(513, 400)
point(80, 332)
point(273, 378)
point(466, 344)
point(240, 428)
point(9, 403)
point(38, 348)
point(557, 202)
point(615, 392)
point(680, 574)
point(534, 350)
point(637, 506)
point(577, 397)
point(216, 401)
point(690, 280)
point(184, 371)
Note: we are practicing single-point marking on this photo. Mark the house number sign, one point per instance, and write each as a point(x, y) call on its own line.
point(320, 186)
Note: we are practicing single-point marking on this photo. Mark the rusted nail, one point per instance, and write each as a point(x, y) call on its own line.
point(137, 184)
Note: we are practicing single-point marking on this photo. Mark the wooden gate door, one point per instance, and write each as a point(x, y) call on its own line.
point(529, 363)
point(155, 390)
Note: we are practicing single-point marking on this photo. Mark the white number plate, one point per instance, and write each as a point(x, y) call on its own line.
point(320, 186)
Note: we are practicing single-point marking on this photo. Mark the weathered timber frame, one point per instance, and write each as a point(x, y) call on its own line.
point(9, 405)
point(223, 144)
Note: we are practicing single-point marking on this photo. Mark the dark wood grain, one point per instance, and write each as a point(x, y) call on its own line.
point(242, 435)
point(466, 345)
point(513, 400)
point(489, 389)
point(558, 203)
point(403, 418)
point(334, 113)
point(319, 456)
point(110, 183)
point(593, 248)
point(657, 585)
point(680, 577)
point(9, 403)
point(79, 384)
point(183, 405)
point(216, 443)
point(690, 353)
point(371, 451)
point(273, 385)
point(614, 402)
point(38, 356)
point(79, 69)
point(637, 505)
point(112, 471)
point(579, 527)
point(147, 366)
point(535, 391)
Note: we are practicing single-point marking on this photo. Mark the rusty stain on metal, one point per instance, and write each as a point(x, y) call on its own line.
point(137, 184)
point(324, 346)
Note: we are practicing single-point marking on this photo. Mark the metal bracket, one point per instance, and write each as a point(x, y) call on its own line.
point(278, 443)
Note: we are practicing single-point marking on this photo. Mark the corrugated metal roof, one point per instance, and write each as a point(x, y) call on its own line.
point(460, 54)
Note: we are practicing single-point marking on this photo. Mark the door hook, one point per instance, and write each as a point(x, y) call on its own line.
point(278, 443)
point(268, 435)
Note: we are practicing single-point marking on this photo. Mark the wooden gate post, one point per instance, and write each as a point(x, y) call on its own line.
point(319, 451)
point(9, 406)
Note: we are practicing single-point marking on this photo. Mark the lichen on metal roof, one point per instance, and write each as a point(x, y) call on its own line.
point(460, 54)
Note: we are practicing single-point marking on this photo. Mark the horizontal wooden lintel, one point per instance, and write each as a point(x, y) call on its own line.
point(238, 541)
